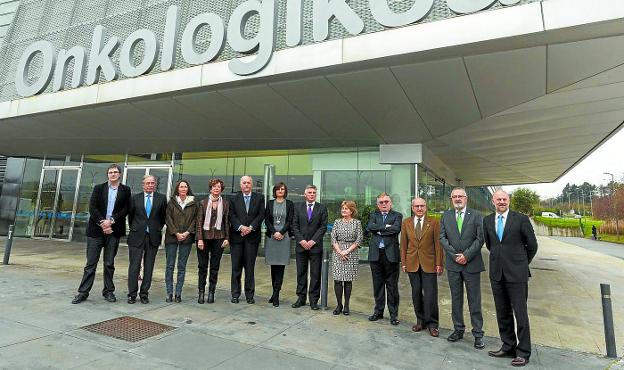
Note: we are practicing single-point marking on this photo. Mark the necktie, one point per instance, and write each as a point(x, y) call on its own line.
point(381, 241)
point(148, 204)
point(309, 211)
point(247, 202)
point(500, 227)
point(460, 221)
point(418, 229)
point(384, 217)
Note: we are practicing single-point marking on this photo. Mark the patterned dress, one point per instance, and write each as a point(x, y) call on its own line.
point(345, 234)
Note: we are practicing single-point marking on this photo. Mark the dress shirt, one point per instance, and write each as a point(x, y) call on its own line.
point(112, 197)
point(422, 219)
point(463, 213)
point(504, 219)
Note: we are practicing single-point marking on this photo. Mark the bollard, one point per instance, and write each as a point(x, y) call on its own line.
point(607, 316)
point(9, 243)
point(324, 278)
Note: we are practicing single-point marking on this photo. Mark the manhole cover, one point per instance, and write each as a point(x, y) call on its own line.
point(128, 328)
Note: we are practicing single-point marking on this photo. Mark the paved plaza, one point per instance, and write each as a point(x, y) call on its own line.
point(40, 328)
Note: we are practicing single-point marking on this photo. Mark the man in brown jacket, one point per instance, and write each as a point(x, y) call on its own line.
point(422, 258)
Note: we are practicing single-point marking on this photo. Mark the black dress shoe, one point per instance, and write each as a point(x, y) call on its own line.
point(345, 311)
point(276, 302)
point(502, 354)
point(210, 297)
point(394, 321)
point(338, 310)
point(200, 297)
point(251, 300)
point(375, 316)
point(169, 298)
point(479, 344)
point(314, 306)
point(234, 300)
point(455, 336)
point(131, 300)
point(178, 299)
point(79, 298)
point(519, 361)
point(144, 300)
point(110, 297)
point(299, 303)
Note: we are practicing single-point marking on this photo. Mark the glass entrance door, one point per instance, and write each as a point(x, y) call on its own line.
point(56, 203)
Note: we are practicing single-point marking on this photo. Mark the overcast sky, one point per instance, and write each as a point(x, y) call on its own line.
point(609, 157)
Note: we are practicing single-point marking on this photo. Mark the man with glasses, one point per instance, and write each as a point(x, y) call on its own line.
point(108, 208)
point(385, 225)
point(461, 235)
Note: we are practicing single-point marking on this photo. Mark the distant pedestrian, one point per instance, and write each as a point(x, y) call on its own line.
point(594, 232)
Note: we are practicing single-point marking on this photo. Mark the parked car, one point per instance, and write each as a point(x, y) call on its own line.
point(549, 215)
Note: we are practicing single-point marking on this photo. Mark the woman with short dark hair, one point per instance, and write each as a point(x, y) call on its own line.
point(279, 214)
point(213, 228)
point(180, 219)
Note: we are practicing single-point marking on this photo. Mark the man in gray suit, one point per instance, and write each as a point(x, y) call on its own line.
point(461, 236)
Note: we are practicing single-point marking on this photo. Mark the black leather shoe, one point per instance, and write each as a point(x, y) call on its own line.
point(144, 300)
point(178, 299)
point(455, 336)
point(338, 310)
point(200, 297)
point(345, 311)
point(300, 302)
point(210, 297)
point(479, 344)
point(234, 300)
point(502, 354)
point(394, 321)
point(169, 298)
point(110, 297)
point(314, 306)
point(276, 302)
point(519, 361)
point(131, 300)
point(375, 316)
point(79, 298)
point(251, 300)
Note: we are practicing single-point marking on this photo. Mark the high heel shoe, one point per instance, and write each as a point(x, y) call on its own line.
point(200, 297)
point(338, 310)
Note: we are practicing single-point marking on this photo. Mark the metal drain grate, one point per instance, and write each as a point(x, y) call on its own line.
point(128, 328)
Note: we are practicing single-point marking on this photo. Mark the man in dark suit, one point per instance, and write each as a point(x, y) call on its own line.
point(309, 227)
point(383, 254)
point(246, 216)
point(108, 208)
point(422, 258)
point(146, 219)
point(461, 235)
point(511, 241)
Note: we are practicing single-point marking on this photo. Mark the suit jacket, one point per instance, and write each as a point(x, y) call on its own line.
point(511, 256)
point(314, 229)
point(287, 220)
point(139, 221)
point(239, 216)
point(388, 231)
point(469, 242)
point(426, 252)
point(97, 210)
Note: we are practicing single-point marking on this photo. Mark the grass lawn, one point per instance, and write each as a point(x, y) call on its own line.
point(585, 222)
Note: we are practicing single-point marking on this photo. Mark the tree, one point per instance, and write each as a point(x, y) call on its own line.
point(524, 200)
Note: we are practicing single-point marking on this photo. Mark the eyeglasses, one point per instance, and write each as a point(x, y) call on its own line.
point(419, 206)
point(113, 172)
point(458, 196)
point(383, 202)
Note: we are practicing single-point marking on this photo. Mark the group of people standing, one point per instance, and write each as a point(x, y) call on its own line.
point(420, 246)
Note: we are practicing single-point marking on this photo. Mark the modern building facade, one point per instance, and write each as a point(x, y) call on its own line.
point(358, 97)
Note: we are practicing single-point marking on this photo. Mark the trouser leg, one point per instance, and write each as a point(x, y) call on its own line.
point(94, 248)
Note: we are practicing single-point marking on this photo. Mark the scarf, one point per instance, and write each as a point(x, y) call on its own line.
point(209, 213)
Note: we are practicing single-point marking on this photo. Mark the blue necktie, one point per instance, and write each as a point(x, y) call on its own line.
point(381, 242)
point(499, 229)
point(247, 202)
point(148, 204)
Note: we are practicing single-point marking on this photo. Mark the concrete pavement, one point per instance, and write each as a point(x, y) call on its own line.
point(40, 328)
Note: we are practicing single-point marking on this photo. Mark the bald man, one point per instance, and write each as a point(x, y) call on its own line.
point(511, 241)
point(246, 216)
